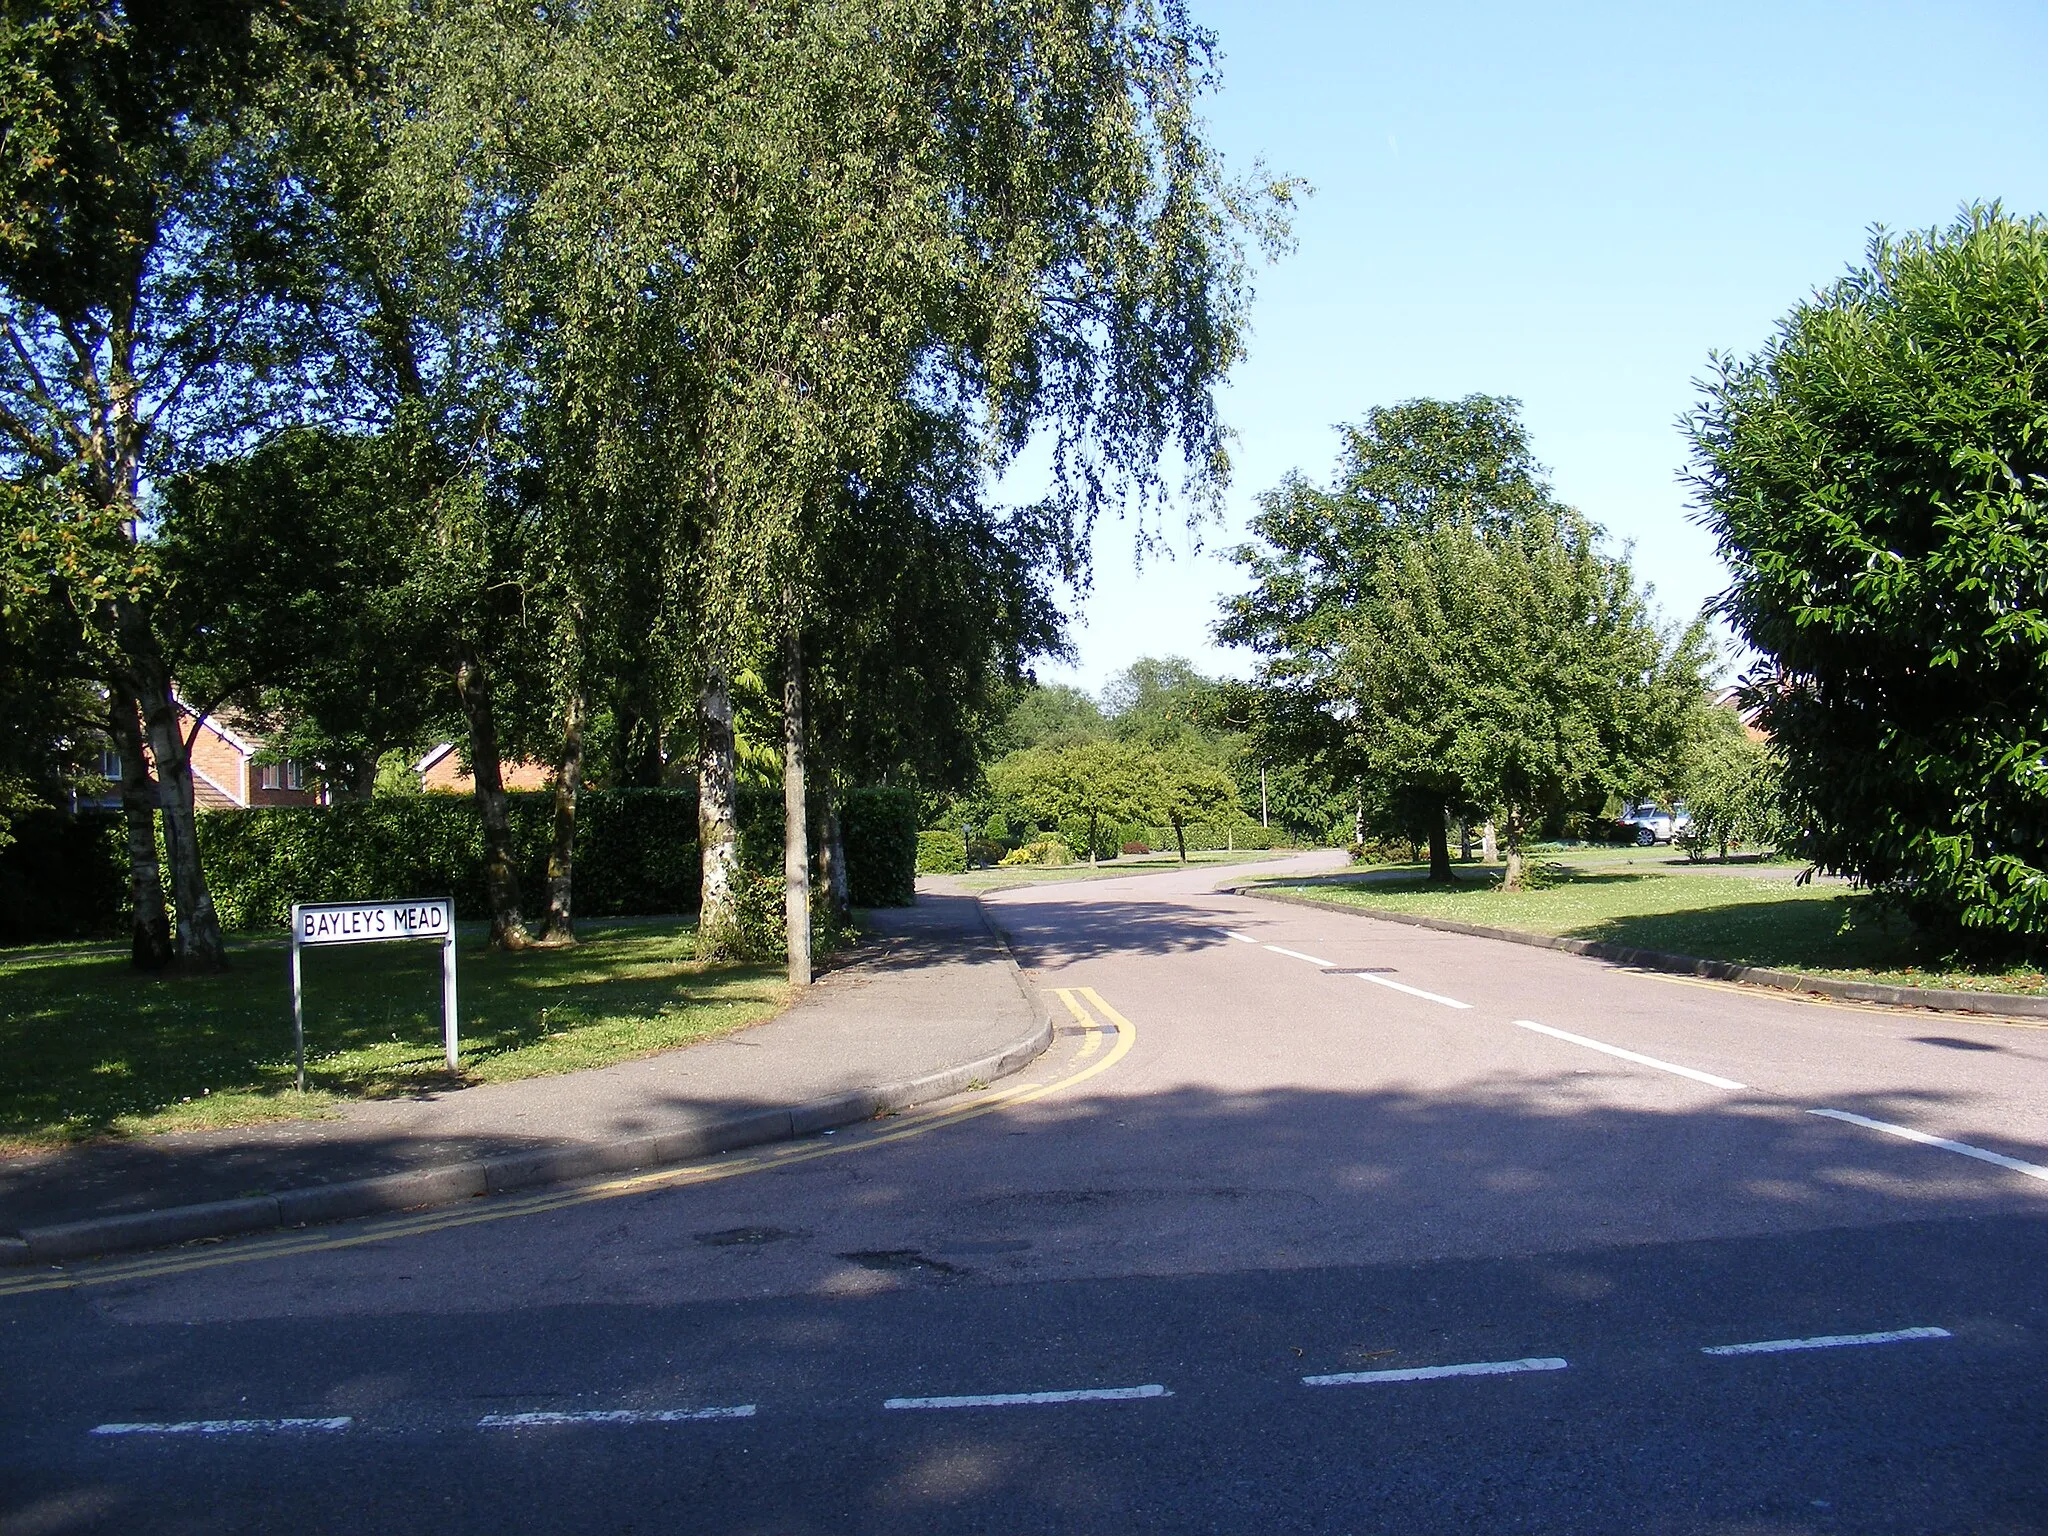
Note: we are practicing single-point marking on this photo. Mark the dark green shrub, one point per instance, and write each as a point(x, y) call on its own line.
point(879, 828)
point(64, 877)
point(636, 853)
point(941, 853)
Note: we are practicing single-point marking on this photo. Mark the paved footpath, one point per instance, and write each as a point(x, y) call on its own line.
point(938, 992)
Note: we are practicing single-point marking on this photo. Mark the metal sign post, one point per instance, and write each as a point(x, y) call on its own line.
point(373, 922)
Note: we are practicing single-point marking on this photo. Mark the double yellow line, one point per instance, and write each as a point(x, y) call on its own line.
point(919, 1123)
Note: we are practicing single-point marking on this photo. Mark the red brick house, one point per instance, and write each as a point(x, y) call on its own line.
point(226, 775)
point(441, 772)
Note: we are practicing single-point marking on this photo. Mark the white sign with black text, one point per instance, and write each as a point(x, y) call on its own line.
point(315, 923)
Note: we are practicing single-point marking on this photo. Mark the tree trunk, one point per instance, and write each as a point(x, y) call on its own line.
point(1512, 879)
point(557, 927)
point(1464, 842)
point(1358, 821)
point(501, 869)
point(150, 945)
point(832, 872)
point(1180, 842)
point(360, 778)
point(1489, 853)
point(718, 820)
point(1440, 851)
point(796, 841)
point(198, 927)
point(1094, 836)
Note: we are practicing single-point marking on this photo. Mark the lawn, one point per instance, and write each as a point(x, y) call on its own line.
point(94, 1049)
point(1749, 915)
point(982, 881)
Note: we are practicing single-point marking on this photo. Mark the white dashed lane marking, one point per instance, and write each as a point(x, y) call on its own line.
point(1295, 954)
point(1436, 1372)
point(1378, 981)
point(1827, 1341)
point(615, 1416)
point(1640, 1060)
point(1907, 1133)
point(1032, 1399)
point(226, 1427)
point(1399, 986)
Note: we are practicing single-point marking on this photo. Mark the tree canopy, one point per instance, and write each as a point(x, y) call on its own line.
point(1438, 630)
point(1877, 477)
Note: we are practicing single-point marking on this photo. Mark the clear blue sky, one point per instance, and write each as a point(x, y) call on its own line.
point(1570, 204)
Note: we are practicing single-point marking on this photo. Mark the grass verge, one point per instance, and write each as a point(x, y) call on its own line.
point(1759, 918)
point(982, 881)
point(95, 1049)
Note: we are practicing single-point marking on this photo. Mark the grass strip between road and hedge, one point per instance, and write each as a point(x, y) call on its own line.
point(1759, 918)
point(984, 881)
point(94, 1048)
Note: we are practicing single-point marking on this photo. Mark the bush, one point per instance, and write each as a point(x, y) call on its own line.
point(879, 828)
point(64, 877)
point(1047, 850)
point(636, 854)
point(1877, 478)
point(1385, 850)
point(941, 853)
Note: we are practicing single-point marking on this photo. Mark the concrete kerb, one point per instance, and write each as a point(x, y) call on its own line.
point(1999, 1004)
point(451, 1182)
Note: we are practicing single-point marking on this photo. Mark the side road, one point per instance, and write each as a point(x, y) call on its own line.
point(936, 1007)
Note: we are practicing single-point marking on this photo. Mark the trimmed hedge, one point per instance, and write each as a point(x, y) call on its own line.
point(636, 853)
point(879, 829)
point(941, 853)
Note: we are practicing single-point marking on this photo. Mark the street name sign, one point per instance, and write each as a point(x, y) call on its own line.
point(315, 923)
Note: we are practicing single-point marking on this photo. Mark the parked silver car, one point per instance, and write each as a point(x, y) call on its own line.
point(1653, 824)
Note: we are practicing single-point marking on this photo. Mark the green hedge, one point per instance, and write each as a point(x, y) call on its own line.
point(64, 877)
point(879, 828)
point(941, 853)
point(636, 853)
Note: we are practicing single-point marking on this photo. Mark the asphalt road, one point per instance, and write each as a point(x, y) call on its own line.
point(1201, 1268)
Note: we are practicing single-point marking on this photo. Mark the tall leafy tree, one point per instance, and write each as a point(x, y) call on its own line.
point(1191, 789)
point(1877, 477)
point(141, 224)
point(306, 597)
point(1453, 639)
point(1095, 782)
point(1518, 672)
point(1404, 472)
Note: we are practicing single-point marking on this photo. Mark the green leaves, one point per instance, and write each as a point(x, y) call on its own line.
point(1455, 638)
point(1878, 479)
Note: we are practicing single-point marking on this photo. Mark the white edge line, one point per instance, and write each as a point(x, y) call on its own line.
point(615, 1416)
point(1433, 1372)
point(223, 1427)
point(1024, 1399)
point(1640, 1060)
point(1295, 954)
point(1400, 986)
point(1232, 933)
point(1906, 1132)
point(1828, 1341)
